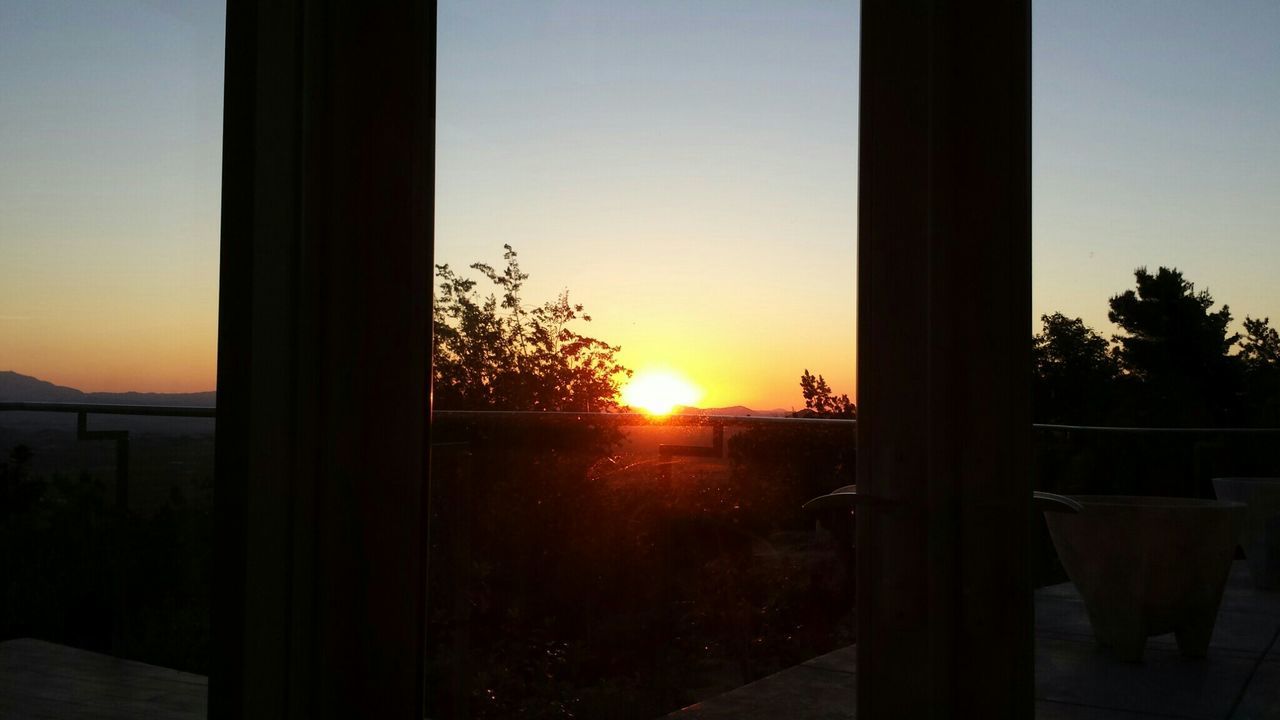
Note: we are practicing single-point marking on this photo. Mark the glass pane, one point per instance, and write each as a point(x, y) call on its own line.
point(110, 156)
point(1157, 371)
point(645, 233)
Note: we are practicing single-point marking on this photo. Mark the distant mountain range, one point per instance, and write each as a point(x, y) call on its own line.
point(16, 387)
point(734, 410)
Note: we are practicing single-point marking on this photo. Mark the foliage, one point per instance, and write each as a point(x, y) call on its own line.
point(820, 401)
point(1171, 364)
point(1174, 363)
point(575, 584)
point(1175, 350)
point(78, 571)
point(1260, 354)
point(1073, 372)
point(547, 518)
point(1260, 347)
point(494, 353)
point(802, 460)
point(795, 463)
point(18, 490)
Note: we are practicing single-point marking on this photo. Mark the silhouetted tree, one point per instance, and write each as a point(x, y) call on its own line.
point(1260, 353)
point(1260, 347)
point(17, 490)
point(1175, 351)
point(820, 401)
point(494, 353)
point(1074, 372)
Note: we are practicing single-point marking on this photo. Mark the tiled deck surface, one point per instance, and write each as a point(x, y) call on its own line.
point(43, 680)
point(1074, 679)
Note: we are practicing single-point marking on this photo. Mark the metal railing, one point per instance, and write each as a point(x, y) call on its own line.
point(1156, 430)
point(716, 423)
point(120, 437)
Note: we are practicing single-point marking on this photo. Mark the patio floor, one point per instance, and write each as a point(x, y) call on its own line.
point(42, 680)
point(1240, 678)
point(1074, 679)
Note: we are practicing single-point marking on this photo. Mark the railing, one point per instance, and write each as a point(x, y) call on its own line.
point(1157, 431)
point(121, 437)
point(634, 418)
point(191, 411)
point(716, 423)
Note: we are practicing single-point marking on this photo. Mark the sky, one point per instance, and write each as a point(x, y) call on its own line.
point(1155, 141)
point(686, 170)
point(110, 165)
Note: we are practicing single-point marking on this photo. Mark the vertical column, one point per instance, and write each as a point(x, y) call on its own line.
point(324, 363)
point(944, 603)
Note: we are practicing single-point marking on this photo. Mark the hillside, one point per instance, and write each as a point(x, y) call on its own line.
point(733, 411)
point(16, 387)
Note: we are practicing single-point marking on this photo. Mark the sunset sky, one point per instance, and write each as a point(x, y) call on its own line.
point(687, 170)
point(110, 164)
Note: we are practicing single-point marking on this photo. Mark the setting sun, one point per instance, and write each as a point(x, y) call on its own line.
point(658, 392)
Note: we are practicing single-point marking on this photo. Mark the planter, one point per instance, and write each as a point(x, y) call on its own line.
point(1148, 566)
point(1260, 534)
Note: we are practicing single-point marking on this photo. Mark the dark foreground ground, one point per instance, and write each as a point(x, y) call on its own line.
point(1074, 679)
point(1240, 678)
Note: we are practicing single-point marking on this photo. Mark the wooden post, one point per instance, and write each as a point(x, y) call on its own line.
point(944, 602)
point(323, 360)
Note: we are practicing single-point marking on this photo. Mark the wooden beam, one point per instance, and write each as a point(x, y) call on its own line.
point(323, 360)
point(944, 602)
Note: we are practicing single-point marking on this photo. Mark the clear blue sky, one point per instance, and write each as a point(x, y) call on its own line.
point(1156, 141)
point(687, 169)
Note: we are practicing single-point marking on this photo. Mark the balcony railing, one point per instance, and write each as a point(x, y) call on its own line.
point(120, 437)
point(534, 514)
point(716, 423)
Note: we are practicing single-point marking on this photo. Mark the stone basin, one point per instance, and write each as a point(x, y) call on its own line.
point(1260, 533)
point(1148, 566)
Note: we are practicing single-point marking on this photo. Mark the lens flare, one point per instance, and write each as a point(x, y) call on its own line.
point(658, 392)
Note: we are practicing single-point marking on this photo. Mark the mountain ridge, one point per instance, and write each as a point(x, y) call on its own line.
point(16, 387)
point(732, 410)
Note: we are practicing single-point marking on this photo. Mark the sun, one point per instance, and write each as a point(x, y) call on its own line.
point(658, 392)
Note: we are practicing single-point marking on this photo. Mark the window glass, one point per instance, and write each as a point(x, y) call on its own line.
point(1156, 367)
point(110, 156)
point(646, 238)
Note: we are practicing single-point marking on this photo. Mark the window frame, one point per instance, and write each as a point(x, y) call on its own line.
point(324, 335)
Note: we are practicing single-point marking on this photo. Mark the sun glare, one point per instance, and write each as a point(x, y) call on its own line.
point(658, 392)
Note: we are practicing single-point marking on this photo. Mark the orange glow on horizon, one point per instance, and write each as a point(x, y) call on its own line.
point(659, 392)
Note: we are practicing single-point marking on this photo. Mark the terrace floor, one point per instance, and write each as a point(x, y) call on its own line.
point(1074, 679)
point(1240, 678)
point(42, 680)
